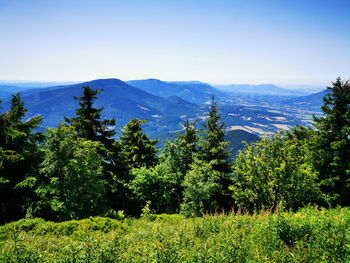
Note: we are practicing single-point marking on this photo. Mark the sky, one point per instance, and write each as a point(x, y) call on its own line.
point(287, 42)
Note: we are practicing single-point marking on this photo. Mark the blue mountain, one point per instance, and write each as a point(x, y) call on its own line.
point(120, 100)
point(262, 89)
point(192, 91)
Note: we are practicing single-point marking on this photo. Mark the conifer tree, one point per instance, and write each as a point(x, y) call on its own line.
point(179, 156)
point(139, 150)
point(213, 148)
point(19, 160)
point(332, 143)
point(88, 125)
point(186, 145)
point(213, 170)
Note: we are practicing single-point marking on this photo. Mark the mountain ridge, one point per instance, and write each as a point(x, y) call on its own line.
point(260, 89)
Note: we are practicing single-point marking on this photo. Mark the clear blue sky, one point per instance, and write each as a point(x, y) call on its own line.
point(217, 41)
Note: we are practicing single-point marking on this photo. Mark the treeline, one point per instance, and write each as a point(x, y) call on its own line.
point(79, 169)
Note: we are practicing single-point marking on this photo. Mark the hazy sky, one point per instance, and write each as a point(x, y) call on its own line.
point(282, 42)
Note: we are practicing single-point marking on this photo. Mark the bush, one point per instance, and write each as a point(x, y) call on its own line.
point(39, 226)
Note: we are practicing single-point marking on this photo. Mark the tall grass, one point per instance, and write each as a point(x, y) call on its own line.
point(310, 235)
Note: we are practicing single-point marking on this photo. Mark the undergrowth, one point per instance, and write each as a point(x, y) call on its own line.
point(310, 235)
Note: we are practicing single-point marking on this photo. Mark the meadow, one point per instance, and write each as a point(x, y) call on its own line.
point(309, 235)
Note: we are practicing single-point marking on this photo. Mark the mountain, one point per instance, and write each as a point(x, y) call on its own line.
point(310, 102)
point(308, 89)
point(235, 139)
point(192, 91)
point(6, 90)
point(124, 102)
point(262, 89)
point(28, 85)
point(120, 101)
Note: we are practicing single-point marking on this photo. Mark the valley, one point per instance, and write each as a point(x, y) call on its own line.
point(166, 105)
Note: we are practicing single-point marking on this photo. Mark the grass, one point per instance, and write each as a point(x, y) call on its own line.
point(310, 235)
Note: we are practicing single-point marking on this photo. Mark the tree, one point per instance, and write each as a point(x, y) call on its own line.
point(179, 157)
point(158, 185)
point(201, 190)
point(186, 147)
point(274, 172)
point(88, 125)
point(213, 150)
point(72, 184)
point(139, 150)
point(332, 143)
point(19, 159)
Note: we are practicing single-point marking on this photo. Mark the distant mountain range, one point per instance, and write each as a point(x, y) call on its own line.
point(311, 102)
point(6, 90)
point(262, 89)
point(192, 91)
point(167, 104)
point(235, 139)
point(119, 100)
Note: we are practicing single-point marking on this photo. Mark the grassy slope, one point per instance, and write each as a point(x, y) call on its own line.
point(309, 235)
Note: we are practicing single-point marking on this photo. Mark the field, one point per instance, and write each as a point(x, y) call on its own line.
point(310, 235)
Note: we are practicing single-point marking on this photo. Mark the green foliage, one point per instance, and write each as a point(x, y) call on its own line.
point(213, 154)
point(73, 186)
point(178, 158)
point(274, 172)
point(139, 150)
point(213, 148)
point(201, 188)
point(19, 159)
point(309, 235)
point(186, 147)
point(39, 226)
point(157, 185)
point(88, 124)
point(331, 150)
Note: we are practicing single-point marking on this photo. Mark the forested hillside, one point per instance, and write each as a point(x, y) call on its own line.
point(51, 174)
point(81, 169)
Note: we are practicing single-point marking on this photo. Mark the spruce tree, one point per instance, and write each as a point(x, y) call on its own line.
point(139, 150)
point(19, 160)
point(213, 170)
point(332, 143)
point(186, 145)
point(88, 125)
point(213, 148)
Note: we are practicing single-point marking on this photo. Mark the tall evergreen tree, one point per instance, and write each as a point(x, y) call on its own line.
point(88, 125)
point(186, 145)
point(139, 150)
point(332, 143)
point(212, 168)
point(213, 148)
point(19, 160)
